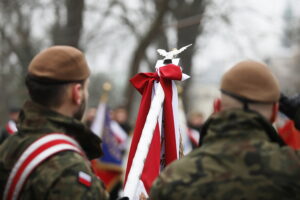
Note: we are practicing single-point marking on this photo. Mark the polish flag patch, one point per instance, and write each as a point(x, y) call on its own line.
point(84, 179)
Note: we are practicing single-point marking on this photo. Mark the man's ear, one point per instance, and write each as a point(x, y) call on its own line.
point(275, 109)
point(217, 105)
point(77, 92)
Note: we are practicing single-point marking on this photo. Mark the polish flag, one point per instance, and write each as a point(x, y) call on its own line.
point(84, 179)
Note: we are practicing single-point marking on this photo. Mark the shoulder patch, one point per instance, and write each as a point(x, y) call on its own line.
point(84, 179)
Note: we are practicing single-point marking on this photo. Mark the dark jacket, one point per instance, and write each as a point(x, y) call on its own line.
point(57, 177)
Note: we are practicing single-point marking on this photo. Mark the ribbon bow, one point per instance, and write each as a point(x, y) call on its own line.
point(144, 83)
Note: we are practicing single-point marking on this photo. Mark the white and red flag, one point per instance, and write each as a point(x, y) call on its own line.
point(159, 93)
point(11, 127)
point(114, 139)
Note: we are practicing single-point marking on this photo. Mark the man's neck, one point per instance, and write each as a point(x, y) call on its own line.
point(64, 110)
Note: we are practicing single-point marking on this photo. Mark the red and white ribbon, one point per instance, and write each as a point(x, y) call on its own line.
point(11, 127)
point(35, 154)
point(155, 142)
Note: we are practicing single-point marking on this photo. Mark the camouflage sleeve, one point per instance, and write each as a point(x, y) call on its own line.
point(156, 189)
point(174, 182)
point(166, 185)
point(66, 175)
point(78, 182)
point(70, 185)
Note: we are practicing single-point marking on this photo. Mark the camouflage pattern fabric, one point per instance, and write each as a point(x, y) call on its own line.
point(58, 176)
point(237, 160)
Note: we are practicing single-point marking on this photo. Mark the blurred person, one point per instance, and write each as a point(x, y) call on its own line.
point(119, 126)
point(120, 115)
point(195, 122)
point(90, 116)
point(49, 157)
point(11, 126)
point(241, 155)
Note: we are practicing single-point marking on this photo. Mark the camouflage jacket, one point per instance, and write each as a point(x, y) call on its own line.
point(240, 158)
point(57, 177)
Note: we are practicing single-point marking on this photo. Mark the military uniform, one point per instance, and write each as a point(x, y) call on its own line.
point(58, 176)
point(3, 135)
point(241, 158)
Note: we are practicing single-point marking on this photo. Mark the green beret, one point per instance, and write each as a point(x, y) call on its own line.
point(61, 63)
point(251, 80)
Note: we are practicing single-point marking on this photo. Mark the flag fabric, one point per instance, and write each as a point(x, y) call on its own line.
point(113, 141)
point(194, 136)
point(84, 179)
point(289, 133)
point(98, 122)
point(114, 138)
point(11, 127)
point(164, 147)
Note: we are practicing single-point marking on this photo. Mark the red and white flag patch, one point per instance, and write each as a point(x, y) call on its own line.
point(84, 179)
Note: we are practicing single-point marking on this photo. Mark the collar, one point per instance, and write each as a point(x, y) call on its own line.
point(238, 123)
point(37, 119)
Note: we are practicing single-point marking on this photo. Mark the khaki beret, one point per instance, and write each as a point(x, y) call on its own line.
point(62, 63)
point(251, 80)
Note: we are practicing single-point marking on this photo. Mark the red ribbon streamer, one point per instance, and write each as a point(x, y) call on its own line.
point(144, 83)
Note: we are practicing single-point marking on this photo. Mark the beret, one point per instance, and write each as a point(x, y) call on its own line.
point(251, 80)
point(61, 63)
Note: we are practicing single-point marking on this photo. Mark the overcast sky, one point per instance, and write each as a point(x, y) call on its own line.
point(254, 32)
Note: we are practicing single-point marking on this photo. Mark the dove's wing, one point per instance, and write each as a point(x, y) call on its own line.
point(162, 52)
point(183, 48)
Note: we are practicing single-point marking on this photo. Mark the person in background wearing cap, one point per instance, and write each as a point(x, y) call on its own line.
point(11, 126)
point(49, 157)
point(241, 155)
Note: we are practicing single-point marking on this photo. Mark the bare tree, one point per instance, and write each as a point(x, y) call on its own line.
point(290, 40)
point(16, 32)
point(189, 16)
point(139, 53)
point(19, 44)
point(188, 24)
point(68, 32)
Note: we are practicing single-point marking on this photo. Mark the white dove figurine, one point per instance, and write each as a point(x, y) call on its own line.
point(172, 54)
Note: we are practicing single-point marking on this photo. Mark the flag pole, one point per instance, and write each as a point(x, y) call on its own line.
point(144, 143)
point(146, 137)
point(98, 127)
point(106, 89)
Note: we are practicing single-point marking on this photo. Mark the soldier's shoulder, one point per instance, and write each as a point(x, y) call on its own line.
point(187, 164)
point(57, 164)
point(285, 158)
point(64, 173)
point(13, 147)
point(178, 175)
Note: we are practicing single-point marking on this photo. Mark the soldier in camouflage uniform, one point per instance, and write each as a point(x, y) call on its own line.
point(241, 155)
point(57, 81)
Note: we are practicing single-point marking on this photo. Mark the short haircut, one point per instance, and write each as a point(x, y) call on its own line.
point(229, 102)
point(46, 92)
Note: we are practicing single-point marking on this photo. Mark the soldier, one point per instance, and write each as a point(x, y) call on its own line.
point(48, 158)
point(241, 155)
